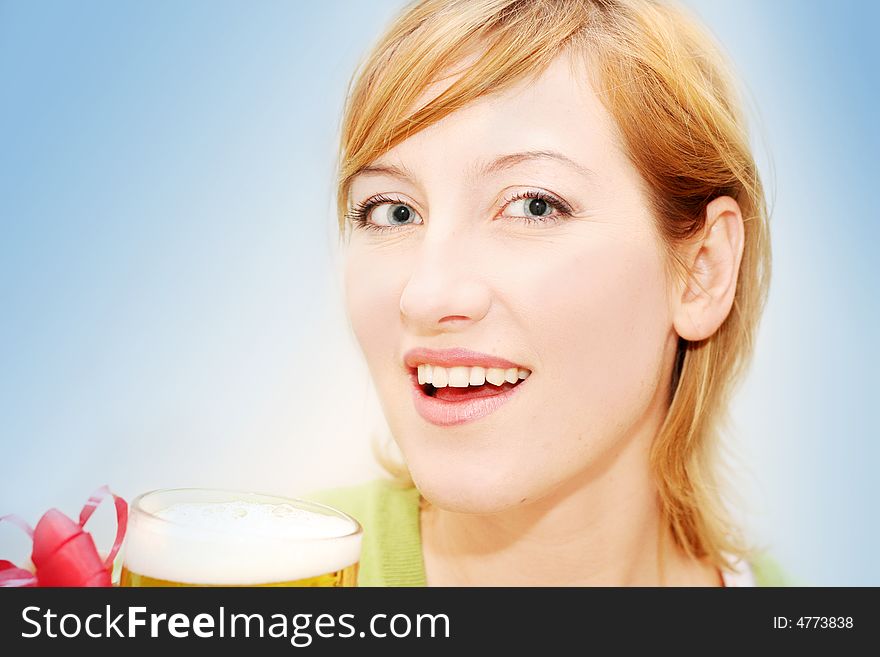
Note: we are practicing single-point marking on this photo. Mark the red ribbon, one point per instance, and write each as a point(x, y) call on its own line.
point(63, 554)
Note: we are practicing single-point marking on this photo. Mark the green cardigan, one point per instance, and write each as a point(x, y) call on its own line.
point(391, 554)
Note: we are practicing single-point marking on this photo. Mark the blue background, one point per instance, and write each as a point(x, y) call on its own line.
point(170, 306)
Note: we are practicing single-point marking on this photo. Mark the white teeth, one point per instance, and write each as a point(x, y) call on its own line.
point(459, 377)
point(495, 376)
point(463, 376)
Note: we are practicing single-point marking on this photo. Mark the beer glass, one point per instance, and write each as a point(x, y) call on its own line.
point(208, 537)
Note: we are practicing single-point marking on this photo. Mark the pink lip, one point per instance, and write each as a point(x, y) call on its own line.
point(449, 413)
point(454, 357)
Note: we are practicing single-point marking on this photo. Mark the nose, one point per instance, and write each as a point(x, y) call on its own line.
point(445, 290)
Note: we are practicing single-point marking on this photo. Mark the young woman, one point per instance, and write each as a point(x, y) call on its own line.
point(556, 258)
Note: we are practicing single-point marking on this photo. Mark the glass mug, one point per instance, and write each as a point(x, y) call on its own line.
point(209, 537)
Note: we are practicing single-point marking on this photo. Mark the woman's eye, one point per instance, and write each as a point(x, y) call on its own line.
point(394, 214)
point(383, 214)
point(537, 208)
point(532, 207)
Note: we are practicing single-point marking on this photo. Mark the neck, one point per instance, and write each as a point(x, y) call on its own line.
point(601, 528)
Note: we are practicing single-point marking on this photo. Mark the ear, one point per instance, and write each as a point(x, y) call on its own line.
point(704, 300)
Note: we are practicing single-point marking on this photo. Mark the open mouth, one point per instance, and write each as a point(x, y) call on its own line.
point(452, 396)
point(461, 393)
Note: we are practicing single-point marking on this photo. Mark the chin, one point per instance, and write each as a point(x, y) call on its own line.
point(461, 493)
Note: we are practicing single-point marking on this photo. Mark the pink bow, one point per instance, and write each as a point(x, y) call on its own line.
point(63, 554)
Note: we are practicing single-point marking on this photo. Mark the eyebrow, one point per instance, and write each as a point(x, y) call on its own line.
point(481, 170)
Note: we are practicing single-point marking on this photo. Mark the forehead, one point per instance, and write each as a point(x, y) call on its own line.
point(556, 111)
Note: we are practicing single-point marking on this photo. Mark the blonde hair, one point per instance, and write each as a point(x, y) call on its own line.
point(664, 82)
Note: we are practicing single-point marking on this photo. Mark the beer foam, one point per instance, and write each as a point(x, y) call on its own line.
point(238, 542)
point(259, 519)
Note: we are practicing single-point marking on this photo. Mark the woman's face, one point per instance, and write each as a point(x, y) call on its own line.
point(568, 282)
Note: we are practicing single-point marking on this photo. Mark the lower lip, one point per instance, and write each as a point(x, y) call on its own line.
point(449, 413)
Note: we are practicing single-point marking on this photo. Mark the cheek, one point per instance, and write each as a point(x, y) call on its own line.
point(598, 318)
point(372, 300)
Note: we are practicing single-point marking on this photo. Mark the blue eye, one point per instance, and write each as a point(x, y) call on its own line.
point(399, 214)
point(538, 207)
point(383, 213)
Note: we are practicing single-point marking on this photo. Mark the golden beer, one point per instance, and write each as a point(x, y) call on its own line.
point(205, 537)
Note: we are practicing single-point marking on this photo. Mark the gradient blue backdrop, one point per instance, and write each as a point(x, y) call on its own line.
point(170, 311)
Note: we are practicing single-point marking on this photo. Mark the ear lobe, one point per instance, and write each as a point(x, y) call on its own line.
point(707, 295)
